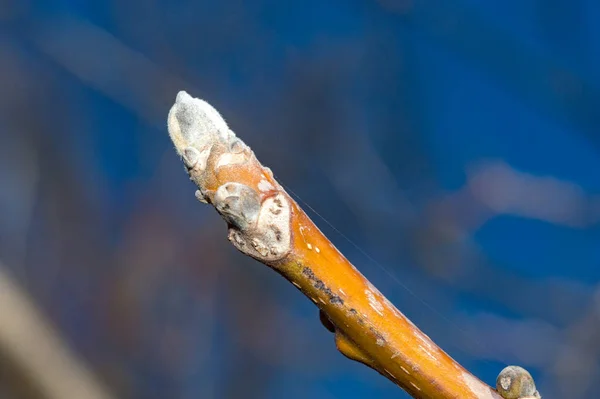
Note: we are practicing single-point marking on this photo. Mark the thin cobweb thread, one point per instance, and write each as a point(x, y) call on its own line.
point(386, 271)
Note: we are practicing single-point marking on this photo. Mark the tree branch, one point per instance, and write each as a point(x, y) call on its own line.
point(265, 223)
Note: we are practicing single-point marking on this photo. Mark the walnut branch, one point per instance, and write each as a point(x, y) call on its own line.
point(266, 224)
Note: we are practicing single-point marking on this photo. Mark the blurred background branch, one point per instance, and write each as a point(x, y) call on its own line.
point(34, 361)
point(453, 104)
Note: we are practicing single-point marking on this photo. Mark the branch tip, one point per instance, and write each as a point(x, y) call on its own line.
point(229, 176)
point(195, 123)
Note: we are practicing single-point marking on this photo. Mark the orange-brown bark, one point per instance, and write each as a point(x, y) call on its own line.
point(265, 223)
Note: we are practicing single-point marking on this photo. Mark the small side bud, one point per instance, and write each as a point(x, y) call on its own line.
point(515, 382)
point(269, 239)
point(238, 204)
point(194, 159)
point(200, 197)
point(190, 156)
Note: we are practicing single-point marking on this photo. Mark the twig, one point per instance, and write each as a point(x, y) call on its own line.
point(266, 224)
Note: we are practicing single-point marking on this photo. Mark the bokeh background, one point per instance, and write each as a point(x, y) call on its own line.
point(450, 148)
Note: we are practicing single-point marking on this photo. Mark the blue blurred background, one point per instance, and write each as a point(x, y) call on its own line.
point(453, 145)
